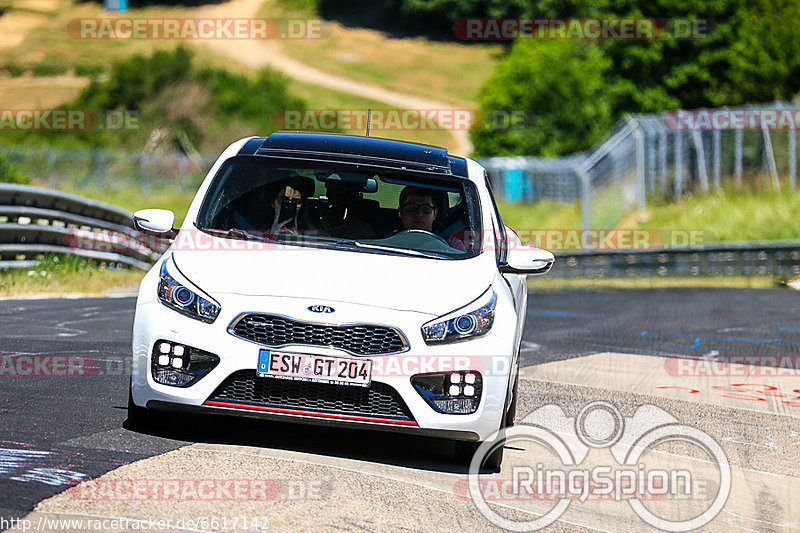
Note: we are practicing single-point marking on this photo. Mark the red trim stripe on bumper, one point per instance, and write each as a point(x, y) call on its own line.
point(310, 413)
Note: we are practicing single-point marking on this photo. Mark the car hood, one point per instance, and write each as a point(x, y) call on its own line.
point(430, 286)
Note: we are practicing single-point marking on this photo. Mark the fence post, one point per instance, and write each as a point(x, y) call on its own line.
point(701, 159)
point(792, 158)
point(678, 165)
point(662, 163)
point(717, 138)
point(792, 154)
point(737, 165)
point(769, 156)
point(638, 136)
point(651, 162)
point(586, 200)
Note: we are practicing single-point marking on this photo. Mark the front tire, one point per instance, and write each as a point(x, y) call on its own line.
point(465, 450)
point(511, 414)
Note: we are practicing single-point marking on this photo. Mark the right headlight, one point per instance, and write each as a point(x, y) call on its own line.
point(174, 292)
point(472, 320)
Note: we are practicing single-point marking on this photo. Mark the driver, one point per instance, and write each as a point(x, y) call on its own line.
point(417, 210)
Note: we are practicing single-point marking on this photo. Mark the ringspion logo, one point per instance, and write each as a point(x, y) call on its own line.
point(564, 472)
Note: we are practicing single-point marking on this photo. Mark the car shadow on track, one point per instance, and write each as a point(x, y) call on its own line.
point(397, 449)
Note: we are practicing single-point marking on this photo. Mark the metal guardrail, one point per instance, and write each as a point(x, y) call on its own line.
point(35, 221)
point(778, 258)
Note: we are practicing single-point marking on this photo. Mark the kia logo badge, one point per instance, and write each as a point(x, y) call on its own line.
point(321, 309)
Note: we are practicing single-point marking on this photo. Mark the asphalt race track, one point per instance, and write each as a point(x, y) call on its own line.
point(580, 347)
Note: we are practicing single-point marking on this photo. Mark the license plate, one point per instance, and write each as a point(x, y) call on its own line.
point(318, 368)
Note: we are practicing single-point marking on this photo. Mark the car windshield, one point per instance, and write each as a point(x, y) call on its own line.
point(343, 206)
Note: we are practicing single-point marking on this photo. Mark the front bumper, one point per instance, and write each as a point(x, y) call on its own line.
point(491, 355)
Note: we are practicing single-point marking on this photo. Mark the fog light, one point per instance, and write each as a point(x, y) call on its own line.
point(173, 377)
point(183, 367)
point(444, 396)
point(470, 378)
point(456, 407)
point(164, 347)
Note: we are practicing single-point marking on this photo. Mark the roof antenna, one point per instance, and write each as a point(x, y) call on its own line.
point(369, 117)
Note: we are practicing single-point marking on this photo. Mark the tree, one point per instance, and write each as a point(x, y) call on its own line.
point(559, 85)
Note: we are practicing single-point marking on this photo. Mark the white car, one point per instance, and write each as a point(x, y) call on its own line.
point(337, 280)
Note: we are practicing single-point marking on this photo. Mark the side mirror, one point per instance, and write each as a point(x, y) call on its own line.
point(527, 261)
point(156, 222)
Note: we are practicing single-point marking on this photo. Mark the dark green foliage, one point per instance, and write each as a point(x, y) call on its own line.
point(9, 172)
point(560, 116)
point(167, 90)
point(134, 80)
point(750, 54)
point(49, 67)
point(88, 70)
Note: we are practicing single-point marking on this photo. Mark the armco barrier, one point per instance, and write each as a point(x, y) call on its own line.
point(778, 258)
point(35, 220)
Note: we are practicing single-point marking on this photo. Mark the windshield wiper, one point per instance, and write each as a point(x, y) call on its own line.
point(399, 251)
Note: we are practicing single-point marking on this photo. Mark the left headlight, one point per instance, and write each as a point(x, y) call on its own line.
point(187, 301)
point(470, 321)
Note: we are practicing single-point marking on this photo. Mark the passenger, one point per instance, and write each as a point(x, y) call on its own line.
point(287, 205)
point(417, 210)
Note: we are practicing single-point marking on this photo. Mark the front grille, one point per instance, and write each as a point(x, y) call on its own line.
point(378, 400)
point(360, 339)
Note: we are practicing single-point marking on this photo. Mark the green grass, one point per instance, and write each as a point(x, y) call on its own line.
point(528, 219)
point(727, 215)
point(131, 198)
point(607, 209)
point(731, 215)
point(549, 283)
point(450, 72)
point(57, 275)
point(545, 214)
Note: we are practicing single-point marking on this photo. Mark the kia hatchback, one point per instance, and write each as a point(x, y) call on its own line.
point(337, 280)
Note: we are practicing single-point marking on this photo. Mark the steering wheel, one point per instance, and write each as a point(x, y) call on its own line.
point(423, 232)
